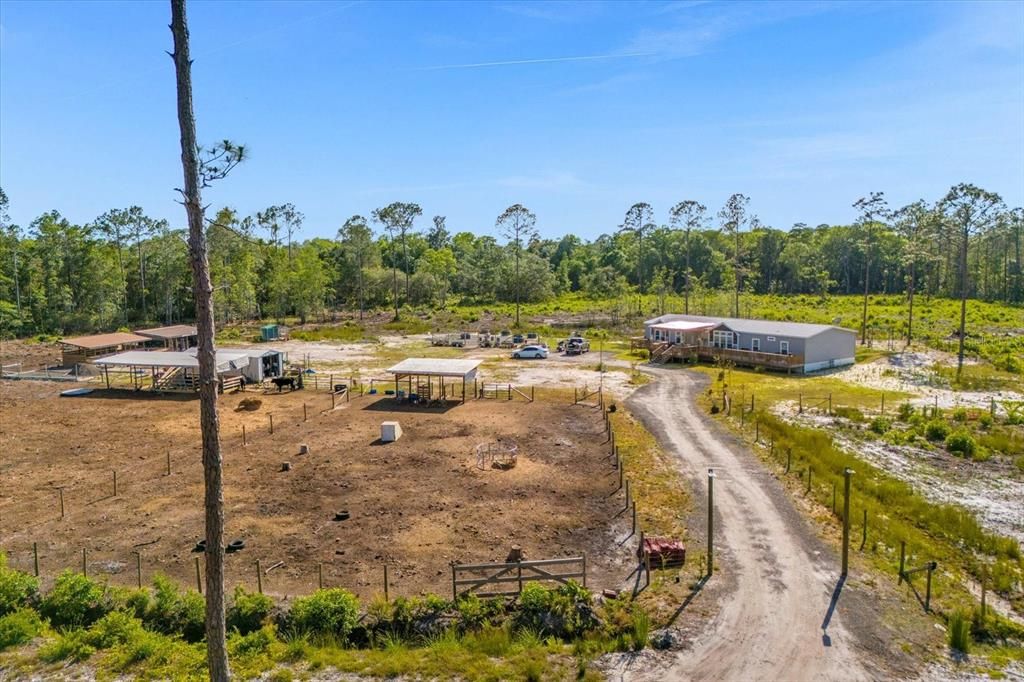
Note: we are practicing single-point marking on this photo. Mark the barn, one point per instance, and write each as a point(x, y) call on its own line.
point(174, 337)
point(87, 348)
point(774, 344)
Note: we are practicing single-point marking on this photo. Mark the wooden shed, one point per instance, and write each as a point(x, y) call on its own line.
point(88, 348)
point(175, 337)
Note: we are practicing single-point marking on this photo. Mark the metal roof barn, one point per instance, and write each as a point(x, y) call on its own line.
point(84, 348)
point(173, 337)
point(428, 368)
point(174, 370)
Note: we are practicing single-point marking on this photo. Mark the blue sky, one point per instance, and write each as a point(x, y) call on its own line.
point(466, 108)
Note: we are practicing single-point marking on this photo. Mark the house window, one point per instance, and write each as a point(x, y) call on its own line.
point(784, 347)
point(755, 344)
point(723, 339)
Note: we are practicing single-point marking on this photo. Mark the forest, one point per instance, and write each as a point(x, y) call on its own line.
point(126, 268)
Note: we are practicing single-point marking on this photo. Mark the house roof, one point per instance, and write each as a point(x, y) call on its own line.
point(104, 340)
point(176, 331)
point(436, 367)
point(796, 330)
point(226, 360)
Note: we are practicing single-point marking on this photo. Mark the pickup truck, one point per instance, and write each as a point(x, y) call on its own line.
point(576, 346)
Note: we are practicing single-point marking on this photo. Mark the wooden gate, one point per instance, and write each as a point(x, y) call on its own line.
point(508, 578)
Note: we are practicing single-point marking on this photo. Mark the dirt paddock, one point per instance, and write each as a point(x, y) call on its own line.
point(416, 505)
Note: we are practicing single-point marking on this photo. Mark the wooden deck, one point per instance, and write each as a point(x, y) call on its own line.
point(661, 351)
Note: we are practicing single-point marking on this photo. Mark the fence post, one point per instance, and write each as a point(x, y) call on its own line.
point(903, 558)
point(711, 521)
point(386, 597)
point(115, 482)
point(138, 569)
point(244, 441)
point(883, 403)
point(85, 570)
point(169, 458)
point(801, 399)
point(259, 577)
point(830, 404)
point(61, 491)
point(320, 575)
point(757, 431)
point(751, 402)
point(847, 475)
point(789, 458)
point(864, 536)
point(585, 583)
point(304, 416)
point(928, 588)
point(35, 558)
point(271, 423)
point(519, 575)
point(455, 595)
point(199, 578)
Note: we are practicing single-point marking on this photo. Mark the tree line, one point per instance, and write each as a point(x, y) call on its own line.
point(126, 268)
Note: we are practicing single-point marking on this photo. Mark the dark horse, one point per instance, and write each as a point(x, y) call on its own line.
point(281, 382)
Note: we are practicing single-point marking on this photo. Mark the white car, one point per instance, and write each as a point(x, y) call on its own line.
point(530, 352)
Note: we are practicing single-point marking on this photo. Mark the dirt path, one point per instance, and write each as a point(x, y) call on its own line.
point(772, 626)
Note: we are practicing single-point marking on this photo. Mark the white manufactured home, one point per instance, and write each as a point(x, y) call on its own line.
point(792, 346)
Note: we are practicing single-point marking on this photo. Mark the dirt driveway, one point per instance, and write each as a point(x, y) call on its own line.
point(776, 623)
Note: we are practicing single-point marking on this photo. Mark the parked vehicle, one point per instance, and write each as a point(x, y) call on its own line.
point(538, 352)
point(518, 339)
point(577, 346)
point(455, 340)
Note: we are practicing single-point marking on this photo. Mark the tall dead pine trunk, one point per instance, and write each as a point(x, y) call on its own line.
point(216, 641)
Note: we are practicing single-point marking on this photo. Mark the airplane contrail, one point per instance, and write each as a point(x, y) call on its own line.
point(549, 60)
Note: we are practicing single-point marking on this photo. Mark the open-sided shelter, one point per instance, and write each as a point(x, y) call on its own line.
point(421, 373)
point(174, 337)
point(87, 348)
point(174, 370)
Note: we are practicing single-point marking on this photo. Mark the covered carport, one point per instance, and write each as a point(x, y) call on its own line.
point(420, 373)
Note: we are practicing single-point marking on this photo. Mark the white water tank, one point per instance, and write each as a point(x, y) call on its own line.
point(390, 432)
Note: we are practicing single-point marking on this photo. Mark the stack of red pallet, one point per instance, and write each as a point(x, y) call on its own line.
point(664, 552)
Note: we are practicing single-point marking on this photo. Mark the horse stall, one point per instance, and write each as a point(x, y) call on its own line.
point(264, 363)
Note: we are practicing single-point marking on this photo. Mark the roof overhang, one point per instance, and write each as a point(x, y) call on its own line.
point(685, 326)
point(437, 367)
point(226, 361)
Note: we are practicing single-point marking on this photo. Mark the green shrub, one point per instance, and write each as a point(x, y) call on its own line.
point(936, 429)
point(176, 613)
point(562, 612)
point(19, 627)
point(333, 611)
point(960, 414)
point(985, 420)
point(112, 629)
point(961, 442)
point(880, 425)
point(75, 601)
point(17, 589)
point(254, 643)
point(248, 611)
point(70, 646)
point(959, 632)
point(906, 411)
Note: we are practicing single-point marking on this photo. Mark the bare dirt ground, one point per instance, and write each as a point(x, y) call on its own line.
point(417, 504)
point(781, 619)
point(912, 372)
